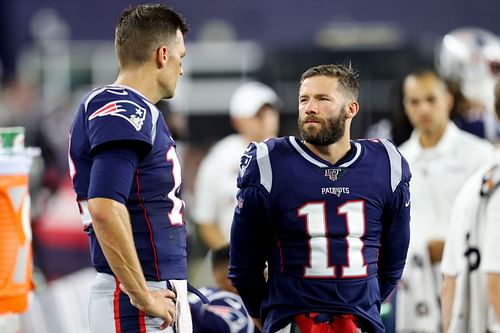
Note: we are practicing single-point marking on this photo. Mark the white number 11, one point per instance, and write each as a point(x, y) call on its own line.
point(319, 252)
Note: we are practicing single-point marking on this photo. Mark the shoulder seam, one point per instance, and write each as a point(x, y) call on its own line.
point(264, 164)
point(395, 162)
point(91, 96)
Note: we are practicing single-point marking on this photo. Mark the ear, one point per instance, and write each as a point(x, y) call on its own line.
point(352, 109)
point(161, 56)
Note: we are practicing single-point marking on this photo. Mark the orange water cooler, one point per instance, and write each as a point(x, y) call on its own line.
point(16, 261)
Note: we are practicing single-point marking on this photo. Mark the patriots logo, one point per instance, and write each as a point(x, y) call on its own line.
point(128, 110)
point(233, 318)
point(244, 163)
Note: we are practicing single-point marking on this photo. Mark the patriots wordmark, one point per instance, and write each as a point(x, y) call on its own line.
point(335, 190)
point(128, 110)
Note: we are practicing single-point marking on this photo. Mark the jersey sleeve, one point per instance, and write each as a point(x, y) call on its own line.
point(490, 253)
point(112, 174)
point(395, 236)
point(110, 119)
point(251, 232)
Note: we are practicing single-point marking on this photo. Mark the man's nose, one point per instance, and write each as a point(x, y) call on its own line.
point(311, 107)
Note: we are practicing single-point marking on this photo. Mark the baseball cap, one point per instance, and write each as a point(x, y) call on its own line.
point(250, 97)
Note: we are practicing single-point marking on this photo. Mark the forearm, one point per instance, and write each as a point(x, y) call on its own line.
point(447, 296)
point(251, 288)
point(435, 248)
point(386, 286)
point(111, 224)
point(494, 293)
point(212, 236)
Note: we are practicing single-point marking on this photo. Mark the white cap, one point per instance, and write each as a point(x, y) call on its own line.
point(249, 98)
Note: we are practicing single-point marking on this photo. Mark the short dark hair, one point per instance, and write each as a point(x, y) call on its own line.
point(346, 75)
point(220, 256)
point(142, 29)
point(425, 72)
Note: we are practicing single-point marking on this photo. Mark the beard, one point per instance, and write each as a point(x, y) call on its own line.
point(331, 131)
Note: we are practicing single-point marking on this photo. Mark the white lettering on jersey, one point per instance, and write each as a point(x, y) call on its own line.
point(335, 190)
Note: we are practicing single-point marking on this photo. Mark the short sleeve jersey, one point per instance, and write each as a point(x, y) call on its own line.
point(118, 114)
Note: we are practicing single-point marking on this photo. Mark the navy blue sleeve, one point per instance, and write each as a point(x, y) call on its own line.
point(112, 173)
point(395, 239)
point(250, 244)
point(110, 119)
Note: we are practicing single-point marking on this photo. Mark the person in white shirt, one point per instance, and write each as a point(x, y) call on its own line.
point(254, 115)
point(441, 158)
point(470, 294)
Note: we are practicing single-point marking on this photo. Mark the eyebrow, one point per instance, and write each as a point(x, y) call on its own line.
point(316, 95)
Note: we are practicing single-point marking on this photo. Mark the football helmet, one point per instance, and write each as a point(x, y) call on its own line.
point(470, 56)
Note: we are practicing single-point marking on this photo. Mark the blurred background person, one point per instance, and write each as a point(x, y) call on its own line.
point(224, 312)
point(470, 294)
point(470, 59)
point(254, 116)
point(441, 158)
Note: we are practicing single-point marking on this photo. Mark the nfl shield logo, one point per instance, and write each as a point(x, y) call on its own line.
point(332, 174)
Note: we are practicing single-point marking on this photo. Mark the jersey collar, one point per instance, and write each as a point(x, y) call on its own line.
point(346, 161)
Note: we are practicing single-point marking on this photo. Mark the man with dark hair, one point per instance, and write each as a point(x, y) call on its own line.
point(328, 214)
point(127, 178)
point(441, 157)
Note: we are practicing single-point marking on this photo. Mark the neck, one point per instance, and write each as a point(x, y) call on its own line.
point(430, 139)
point(139, 79)
point(333, 152)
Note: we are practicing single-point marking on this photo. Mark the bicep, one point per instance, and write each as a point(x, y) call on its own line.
point(112, 174)
point(396, 223)
point(250, 231)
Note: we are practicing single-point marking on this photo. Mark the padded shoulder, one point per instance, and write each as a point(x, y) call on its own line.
point(399, 168)
point(255, 165)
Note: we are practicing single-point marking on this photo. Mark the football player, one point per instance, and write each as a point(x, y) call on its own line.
point(329, 215)
point(127, 178)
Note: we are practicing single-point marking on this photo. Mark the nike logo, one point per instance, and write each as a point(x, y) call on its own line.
point(116, 92)
point(407, 204)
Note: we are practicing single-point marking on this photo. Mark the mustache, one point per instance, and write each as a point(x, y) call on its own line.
point(312, 118)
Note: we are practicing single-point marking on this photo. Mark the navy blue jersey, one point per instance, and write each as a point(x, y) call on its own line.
point(334, 236)
point(120, 115)
point(224, 313)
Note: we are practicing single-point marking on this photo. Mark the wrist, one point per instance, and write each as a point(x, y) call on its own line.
point(141, 298)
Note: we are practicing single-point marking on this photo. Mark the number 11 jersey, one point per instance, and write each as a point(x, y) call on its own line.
point(334, 236)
